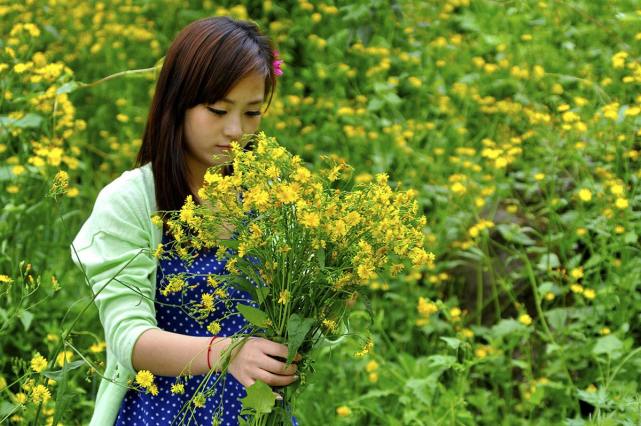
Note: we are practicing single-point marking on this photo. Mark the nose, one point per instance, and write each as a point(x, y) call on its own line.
point(233, 127)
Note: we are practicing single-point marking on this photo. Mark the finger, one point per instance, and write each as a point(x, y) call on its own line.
point(273, 366)
point(275, 379)
point(274, 349)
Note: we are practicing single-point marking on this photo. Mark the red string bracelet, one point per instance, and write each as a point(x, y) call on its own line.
point(209, 351)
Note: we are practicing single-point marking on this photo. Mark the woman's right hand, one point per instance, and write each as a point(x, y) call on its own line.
point(254, 360)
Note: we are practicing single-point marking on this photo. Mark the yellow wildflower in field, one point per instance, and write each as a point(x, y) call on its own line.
point(145, 378)
point(20, 398)
point(330, 325)
point(38, 363)
point(343, 411)
point(287, 193)
point(64, 358)
point(455, 313)
point(589, 293)
point(604, 331)
point(585, 194)
point(577, 273)
point(310, 219)
point(621, 203)
point(5, 279)
point(366, 349)
point(525, 319)
point(40, 394)
point(576, 288)
point(98, 347)
point(60, 184)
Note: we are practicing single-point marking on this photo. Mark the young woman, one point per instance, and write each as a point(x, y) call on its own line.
point(217, 75)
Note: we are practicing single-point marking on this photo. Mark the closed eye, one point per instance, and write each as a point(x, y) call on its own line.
point(221, 112)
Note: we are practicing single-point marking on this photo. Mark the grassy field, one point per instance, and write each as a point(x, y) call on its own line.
point(517, 122)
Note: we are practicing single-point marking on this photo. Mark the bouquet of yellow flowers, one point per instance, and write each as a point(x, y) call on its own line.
point(300, 247)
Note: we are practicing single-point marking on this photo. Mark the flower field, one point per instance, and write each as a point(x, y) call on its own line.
point(516, 125)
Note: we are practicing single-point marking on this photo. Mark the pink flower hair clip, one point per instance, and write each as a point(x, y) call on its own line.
point(276, 64)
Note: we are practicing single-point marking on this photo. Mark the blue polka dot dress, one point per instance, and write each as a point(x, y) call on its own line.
point(167, 408)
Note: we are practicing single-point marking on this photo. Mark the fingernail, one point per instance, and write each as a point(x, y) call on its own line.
point(278, 397)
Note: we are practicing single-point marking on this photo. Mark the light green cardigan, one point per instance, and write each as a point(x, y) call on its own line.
point(114, 247)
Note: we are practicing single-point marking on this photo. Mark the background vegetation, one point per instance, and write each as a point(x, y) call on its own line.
point(516, 121)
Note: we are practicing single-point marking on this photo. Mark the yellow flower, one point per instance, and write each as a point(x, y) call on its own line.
point(213, 328)
point(525, 319)
point(97, 347)
point(175, 285)
point(425, 307)
point(287, 193)
point(577, 273)
point(301, 174)
point(284, 297)
point(40, 393)
point(310, 219)
point(159, 251)
point(156, 220)
point(20, 398)
point(621, 203)
point(64, 358)
point(199, 400)
point(589, 293)
point(585, 194)
point(576, 288)
point(455, 312)
point(177, 388)
point(366, 349)
point(371, 366)
point(145, 378)
point(5, 279)
point(38, 363)
point(343, 411)
point(329, 324)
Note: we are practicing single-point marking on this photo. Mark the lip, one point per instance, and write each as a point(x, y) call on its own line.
point(223, 146)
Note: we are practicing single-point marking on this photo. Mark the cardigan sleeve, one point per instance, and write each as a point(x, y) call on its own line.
point(113, 249)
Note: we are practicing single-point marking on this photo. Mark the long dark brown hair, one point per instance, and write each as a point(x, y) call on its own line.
point(204, 62)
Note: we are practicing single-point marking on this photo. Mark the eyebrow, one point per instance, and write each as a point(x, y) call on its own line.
point(229, 101)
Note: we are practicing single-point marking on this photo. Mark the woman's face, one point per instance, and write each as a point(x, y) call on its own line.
point(210, 128)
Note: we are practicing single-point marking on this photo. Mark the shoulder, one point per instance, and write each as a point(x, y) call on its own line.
point(123, 208)
point(131, 192)
point(129, 186)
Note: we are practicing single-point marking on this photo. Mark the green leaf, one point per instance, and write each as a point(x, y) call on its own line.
point(609, 344)
point(25, 317)
point(29, 120)
point(320, 253)
point(515, 234)
point(262, 293)
point(452, 342)
point(260, 398)
point(548, 261)
point(57, 374)
point(630, 238)
point(297, 328)
point(233, 244)
point(67, 87)
point(7, 408)
point(506, 327)
point(253, 315)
